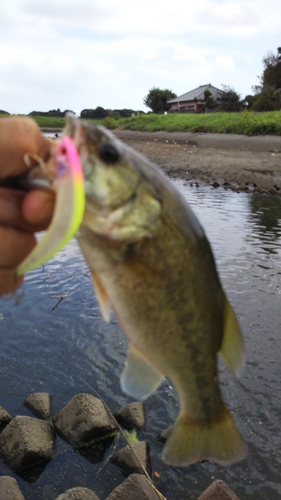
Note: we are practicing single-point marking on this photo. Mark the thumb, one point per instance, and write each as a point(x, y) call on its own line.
point(18, 136)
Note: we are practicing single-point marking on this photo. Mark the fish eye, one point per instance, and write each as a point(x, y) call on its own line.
point(109, 154)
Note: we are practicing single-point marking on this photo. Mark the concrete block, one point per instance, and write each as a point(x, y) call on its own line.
point(218, 490)
point(27, 441)
point(83, 420)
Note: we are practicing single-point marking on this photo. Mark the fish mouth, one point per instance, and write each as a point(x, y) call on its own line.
point(110, 211)
point(106, 210)
point(104, 222)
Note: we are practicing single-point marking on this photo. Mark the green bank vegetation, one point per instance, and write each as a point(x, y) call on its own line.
point(49, 121)
point(247, 123)
point(43, 121)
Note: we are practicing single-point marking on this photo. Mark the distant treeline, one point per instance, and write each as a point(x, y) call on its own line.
point(96, 114)
point(53, 112)
point(99, 113)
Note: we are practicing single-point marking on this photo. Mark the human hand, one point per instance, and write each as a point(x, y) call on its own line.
point(21, 214)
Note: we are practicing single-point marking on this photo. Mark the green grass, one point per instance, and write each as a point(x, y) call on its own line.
point(247, 123)
point(45, 121)
point(49, 121)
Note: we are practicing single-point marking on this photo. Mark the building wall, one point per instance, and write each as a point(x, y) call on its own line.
point(187, 106)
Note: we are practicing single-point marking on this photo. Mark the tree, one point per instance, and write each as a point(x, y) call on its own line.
point(96, 114)
point(156, 99)
point(211, 103)
point(124, 113)
point(271, 77)
point(99, 113)
point(229, 99)
point(248, 101)
point(269, 91)
point(265, 101)
point(53, 112)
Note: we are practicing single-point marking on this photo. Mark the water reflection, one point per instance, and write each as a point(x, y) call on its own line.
point(266, 217)
point(267, 214)
point(95, 452)
point(32, 474)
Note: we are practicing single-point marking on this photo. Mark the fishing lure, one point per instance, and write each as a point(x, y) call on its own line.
point(69, 207)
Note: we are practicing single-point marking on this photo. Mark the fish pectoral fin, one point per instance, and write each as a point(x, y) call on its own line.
point(102, 297)
point(139, 378)
point(232, 348)
point(217, 441)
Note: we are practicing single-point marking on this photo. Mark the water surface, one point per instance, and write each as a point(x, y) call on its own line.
point(53, 346)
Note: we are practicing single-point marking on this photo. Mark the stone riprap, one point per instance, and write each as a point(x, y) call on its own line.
point(218, 490)
point(78, 494)
point(27, 441)
point(131, 416)
point(9, 489)
point(135, 487)
point(84, 419)
point(164, 435)
point(40, 404)
point(5, 418)
point(132, 457)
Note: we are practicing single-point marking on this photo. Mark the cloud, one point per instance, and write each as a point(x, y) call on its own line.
point(225, 63)
point(113, 18)
point(87, 53)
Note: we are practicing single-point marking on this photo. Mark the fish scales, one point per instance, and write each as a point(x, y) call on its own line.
point(152, 264)
point(163, 314)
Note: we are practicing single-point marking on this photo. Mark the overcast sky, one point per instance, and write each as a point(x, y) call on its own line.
point(77, 54)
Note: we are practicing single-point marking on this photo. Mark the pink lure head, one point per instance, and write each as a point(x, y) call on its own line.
point(68, 158)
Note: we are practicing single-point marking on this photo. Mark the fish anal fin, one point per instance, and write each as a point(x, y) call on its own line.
point(232, 348)
point(102, 297)
point(139, 378)
point(191, 442)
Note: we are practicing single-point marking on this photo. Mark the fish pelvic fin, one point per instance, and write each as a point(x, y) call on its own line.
point(191, 442)
point(232, 348)
point(102, 297)
point(139, 378)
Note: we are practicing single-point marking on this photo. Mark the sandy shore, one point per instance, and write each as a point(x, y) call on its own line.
point(237, 162)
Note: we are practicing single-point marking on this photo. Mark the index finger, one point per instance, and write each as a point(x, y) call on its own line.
point(18, 136)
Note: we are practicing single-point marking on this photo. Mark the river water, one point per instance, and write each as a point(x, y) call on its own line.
point(54, 345)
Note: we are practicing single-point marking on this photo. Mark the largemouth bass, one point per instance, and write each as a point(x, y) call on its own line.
point(152, 264)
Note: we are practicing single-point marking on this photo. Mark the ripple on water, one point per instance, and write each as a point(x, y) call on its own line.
point(56, 337)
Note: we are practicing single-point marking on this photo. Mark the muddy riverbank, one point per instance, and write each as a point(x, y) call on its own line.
point(237, 162)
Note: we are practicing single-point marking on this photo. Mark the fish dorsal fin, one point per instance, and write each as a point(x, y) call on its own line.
point(102, 297)
point(139, 378)
point(232, 348)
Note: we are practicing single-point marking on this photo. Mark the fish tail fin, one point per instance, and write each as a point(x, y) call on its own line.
point(217, 441)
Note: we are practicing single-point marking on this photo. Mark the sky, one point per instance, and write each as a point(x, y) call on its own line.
point(80, 54)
